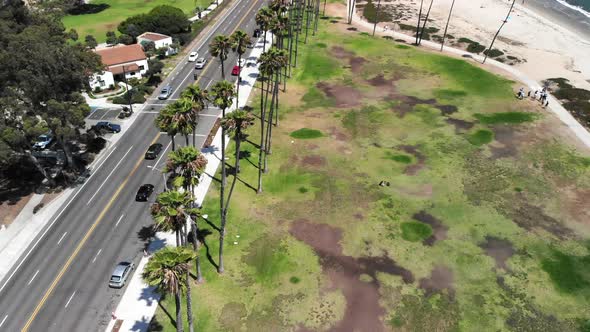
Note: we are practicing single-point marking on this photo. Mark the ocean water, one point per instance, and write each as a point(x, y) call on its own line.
point(582, 6)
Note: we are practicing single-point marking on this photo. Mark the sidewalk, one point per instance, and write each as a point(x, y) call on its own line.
point(554, 106)
point(206, 11)
point(139, 303)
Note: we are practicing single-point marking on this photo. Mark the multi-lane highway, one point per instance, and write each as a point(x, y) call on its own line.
point(61, 282)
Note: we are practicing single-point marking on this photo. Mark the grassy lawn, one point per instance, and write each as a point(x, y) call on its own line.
point(484, 226)
point(107, 20)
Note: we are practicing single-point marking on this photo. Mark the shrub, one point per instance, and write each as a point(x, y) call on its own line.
point(572, 94)
point(475, 48)
point(415, 231)
point(493, 53)
point(505, 117)
point(467, 41)
point(96, 145)
point(481, 137)
point(38, 207)
point(306, 133)
point(388, 37)
point(97, 90)
point(112, 87)
point(407, 27)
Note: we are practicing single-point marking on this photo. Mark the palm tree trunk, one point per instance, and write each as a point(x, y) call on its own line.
point(497, 33)
point(222, 68)
point(419, 20)
point(299, 17)
point(442, 44)
point(317, 17)
point(239, 76)
point(291, 9)
point(324, 12)
point(269, 131)
point(425, 21)
point(173, 142)
point(261, 147)
point(179, 322)
point(186, 140)
point(306, 11)
point(189, 302)
point(264, 41)
point(220, 269)
point(376, 16)
point(352, 3)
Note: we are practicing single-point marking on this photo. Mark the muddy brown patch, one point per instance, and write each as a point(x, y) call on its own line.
point(420, 159)
point(446, 110)
point(380, 81)
point(576, 202)
point(340, 52)
point(344, 96)
point(499, 249)
point(441, 278)
point(439, 230)
point(460, 125)
point(507, 137)
point(356, 64)
point(313, 161)
point(531, 217)
point(338, 135)
point(311, 146)
point(407, 103)
point(358, 216)
point(363, 310)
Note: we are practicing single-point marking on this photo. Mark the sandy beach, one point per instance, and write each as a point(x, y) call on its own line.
point(545, 48)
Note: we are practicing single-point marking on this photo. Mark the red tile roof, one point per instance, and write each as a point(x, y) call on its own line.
point(153, 36)
point(121, 54)
point(116, 70)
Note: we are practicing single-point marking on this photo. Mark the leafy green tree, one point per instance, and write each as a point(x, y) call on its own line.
point(223, 94)
point(126, 39)
point(73, 34)
point(239, 43)
point(163, 19)
point(111, 38)
point(90, 41)
point(220, 47)
point(167, 270)
point(149, 47)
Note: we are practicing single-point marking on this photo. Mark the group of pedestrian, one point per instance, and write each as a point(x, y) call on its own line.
point(540, 95)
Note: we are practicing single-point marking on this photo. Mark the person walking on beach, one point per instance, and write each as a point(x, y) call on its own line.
point(536, 93)
point(547, 102)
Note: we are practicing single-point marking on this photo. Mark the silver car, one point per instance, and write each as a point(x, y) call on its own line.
point(121, 274)
point(200, 64)
point(165, 93)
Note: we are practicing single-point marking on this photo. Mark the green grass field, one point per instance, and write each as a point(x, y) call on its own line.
point(107, 20)
point(484, 226)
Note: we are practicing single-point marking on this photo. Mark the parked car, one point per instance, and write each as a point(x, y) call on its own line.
point(235, 71)
point(165, 93)
point(192, 57)
point(107, 126)
point(257, 33)
point(200, 64)
point(241, 62)
point(144, 192)
point(153, 151)
point(121, 274)
point(43, 141)
point(250, 45)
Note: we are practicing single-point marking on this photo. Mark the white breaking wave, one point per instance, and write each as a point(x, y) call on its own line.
point(576, 8)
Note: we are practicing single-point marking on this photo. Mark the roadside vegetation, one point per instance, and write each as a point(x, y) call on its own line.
point(400, 190)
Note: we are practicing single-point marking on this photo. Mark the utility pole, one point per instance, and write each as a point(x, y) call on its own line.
point(497, 33)
point(376, 17)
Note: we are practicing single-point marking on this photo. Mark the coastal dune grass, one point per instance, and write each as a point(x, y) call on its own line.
point(322, 224)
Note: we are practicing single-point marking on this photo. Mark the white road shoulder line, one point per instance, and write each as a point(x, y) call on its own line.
point(98, 253)
point(62, 237)
point(108, 176)
point(118, 221)
point(71, 297)
point(3, 320)
point(161, 155)
point(33, 278)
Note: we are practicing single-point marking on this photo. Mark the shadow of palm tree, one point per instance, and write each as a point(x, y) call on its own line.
point(145, 234)
point(202, 238)
point(155, 326)
point(172, 320)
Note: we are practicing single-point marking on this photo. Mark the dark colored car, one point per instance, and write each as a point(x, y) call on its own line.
point(257, 33)
point(235, 71)
point(144, 192)
point(153, 151)
point(107, 126)
point(125, 113)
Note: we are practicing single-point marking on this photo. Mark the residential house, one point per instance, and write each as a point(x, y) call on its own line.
point(119, 60)
point(158, 39)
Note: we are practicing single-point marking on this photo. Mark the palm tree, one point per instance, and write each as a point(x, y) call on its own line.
point(184, 119)
point(188, 163)
point(419, 20)
point(351, 5)
point(220, 47)
point(279, 60)
point(425, 21)
point(497, 33)
point(265, 68)
point(198, 98)
point(239, 41)
point(168, 213)
point(167, 270)
point(223, 94)
point(164, 122)
point(376, 16)
point(442, 43)
point(263, 18)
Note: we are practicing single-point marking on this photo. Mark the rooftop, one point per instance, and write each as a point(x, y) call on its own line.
point(121, 54)
point(153, 36)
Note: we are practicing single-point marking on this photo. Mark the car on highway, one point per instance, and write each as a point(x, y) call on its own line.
point(165, 92)
point(257, 33)
point(107, 126)
point(241, 63)
point(144, 192)
point(43, 141)
point(121, 274)
point(250, 45)
point(192, 57)
point(235, 71)
point(200, 64)
point(153, 151)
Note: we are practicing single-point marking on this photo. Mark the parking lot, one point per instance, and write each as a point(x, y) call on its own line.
point(104, 114)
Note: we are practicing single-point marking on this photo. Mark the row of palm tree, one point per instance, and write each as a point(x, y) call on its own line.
point(175, 210)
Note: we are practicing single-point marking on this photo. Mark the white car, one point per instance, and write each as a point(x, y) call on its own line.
point(241, 63)
point(43, 141)
point(200, 64)
point(193, 57)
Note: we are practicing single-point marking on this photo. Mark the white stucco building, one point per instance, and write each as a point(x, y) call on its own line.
point(119, 60)
point(158, 39)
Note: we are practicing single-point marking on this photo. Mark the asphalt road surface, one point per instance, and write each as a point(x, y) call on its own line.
point(61, 282)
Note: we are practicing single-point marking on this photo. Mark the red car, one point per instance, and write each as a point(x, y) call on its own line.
point(235, 71)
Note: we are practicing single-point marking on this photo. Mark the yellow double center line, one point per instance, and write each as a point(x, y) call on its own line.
point(101, 216)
